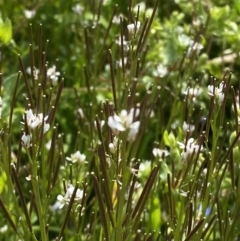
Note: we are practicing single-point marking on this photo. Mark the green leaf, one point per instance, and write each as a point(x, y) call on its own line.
point(3, 179)
point(5, 30)
point(165, 138)
point(156, 214)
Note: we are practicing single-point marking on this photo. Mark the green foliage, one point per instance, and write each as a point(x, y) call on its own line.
point(123, 121)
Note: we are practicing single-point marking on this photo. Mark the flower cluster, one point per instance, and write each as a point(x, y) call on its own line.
point(192, 93)
point(217, 92)
point(66, 199)
point(190, 148)
point(33, 121)
point(125, 122)
point(77, 157)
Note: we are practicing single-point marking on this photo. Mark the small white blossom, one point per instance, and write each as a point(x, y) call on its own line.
point(66, 199)
point(217, 92)
point(46, 127)
point(33, 121)
point(80, 112)
point(77, 157)
point(161, 71)
point(29, 13)
point(125, 43)
point(188, 127)
point(102, 123)
point(52, 74)
point(193, 92)
point(113, 146)
point(186, 41)
point(160, 153)
point(189, 149)
point(4, 228)
point(124, 122)
point(133, 28)
point(35, 72)
point(26, 140)
point(48, 145)
point(78, 9)
point(194, 47)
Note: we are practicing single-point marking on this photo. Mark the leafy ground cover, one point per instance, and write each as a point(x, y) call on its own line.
point(119, 120)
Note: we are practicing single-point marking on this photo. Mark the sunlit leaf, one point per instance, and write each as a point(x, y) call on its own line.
point(5, 30)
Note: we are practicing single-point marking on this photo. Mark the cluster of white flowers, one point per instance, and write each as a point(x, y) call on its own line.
point(62, 201)
point(186, 41)
point(33, 121)
point(192, 93)
point(52, 73)
point(77, 157)
point(217, 92)
point(125, 122)
point(190, 148)
point(133, 28)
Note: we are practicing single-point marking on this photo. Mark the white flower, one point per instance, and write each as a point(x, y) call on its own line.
point(120, 62)
point(124, 122)
point(62, 201)
point(161, 71)
point(159, 153)
point(188, 127)
point(125, 43)
point(144, 168)
point(190, 148)
point(102, 123)
point(193, 92)
point(186, 41)
point(217, 92)
point(48, 145)
point(35, 72)
point(26, 140)
point(80, 112)
point(66, 199)
point(77, 157)
point(77, 9)
point(113, 146)
point(33, 121)
point(194, 47)
point(53, 74)
point(133, 28)
point(46, 127)
point(29, 13)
